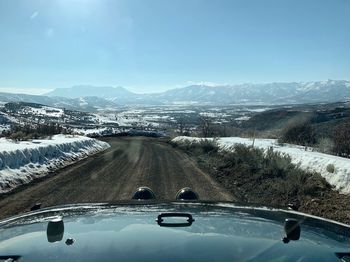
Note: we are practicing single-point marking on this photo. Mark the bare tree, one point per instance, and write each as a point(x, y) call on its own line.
point(341, 139)
point(299, 132)
point(181, 124)
point(206, 126)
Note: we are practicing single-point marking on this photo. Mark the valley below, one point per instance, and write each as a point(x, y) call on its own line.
point(127, 145)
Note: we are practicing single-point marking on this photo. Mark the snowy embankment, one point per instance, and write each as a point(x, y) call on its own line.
point(21, 162)
point(305, 158)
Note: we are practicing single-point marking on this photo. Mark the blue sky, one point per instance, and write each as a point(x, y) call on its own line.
point(153, 45)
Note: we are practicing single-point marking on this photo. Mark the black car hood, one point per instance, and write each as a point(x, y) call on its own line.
point(129, 232)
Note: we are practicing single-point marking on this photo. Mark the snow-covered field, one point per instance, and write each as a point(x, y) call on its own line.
point(21, 162)
point(306, 158)
point(44, 111)
point(96, 131)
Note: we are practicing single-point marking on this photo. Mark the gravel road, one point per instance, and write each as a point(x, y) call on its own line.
point(114, 174)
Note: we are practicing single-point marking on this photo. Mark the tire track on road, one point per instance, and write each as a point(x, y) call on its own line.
point(114, 174)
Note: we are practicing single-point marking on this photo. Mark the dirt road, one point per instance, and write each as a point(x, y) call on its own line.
point(114, 174)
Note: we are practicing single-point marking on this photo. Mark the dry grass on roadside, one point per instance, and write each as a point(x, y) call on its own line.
point(269, 178)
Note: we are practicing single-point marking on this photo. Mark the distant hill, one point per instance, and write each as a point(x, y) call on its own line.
point(270, 93)
point(323, 117)
point(91, 98)
point(106, 92)
point(83, 103)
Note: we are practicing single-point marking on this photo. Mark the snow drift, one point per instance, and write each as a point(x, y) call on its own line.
point(305, 158)
point(21, 162)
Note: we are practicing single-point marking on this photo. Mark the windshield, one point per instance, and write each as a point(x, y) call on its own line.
point(240, 101)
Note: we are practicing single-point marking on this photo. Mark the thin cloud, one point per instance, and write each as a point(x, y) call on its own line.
point(34, 15)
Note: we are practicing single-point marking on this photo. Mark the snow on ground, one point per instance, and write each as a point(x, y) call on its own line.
point(4, 128)
point(128, 118)
point(21, 162)
point(213, 114)
point(5, 119)
point(242, 118)
point(105, 118)
point(44, 111)
point(258, 110)
point(103, 131)
point(90, 131)
point(301, 156)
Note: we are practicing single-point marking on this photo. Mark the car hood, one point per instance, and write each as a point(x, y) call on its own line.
point(129, 232)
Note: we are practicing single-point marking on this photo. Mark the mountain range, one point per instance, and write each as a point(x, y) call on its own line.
point(90, 98)
point(87, 103)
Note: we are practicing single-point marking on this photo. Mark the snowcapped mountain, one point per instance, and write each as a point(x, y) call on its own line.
point(244, 93)
point(106, 92)
point(270, 93)
point(330, 90)
point(90, 103)
point(91, 98)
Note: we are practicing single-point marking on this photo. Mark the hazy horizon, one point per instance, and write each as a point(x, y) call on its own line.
point(43, 91)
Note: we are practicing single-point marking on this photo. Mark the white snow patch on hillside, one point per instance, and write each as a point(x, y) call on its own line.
point(44, 111)
point(21, 162)
point(105, 118)
point(103, 131)
point(258, 110)
point(4, 128)
point(242, 118)
point(305, 158)
point(213, 115)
